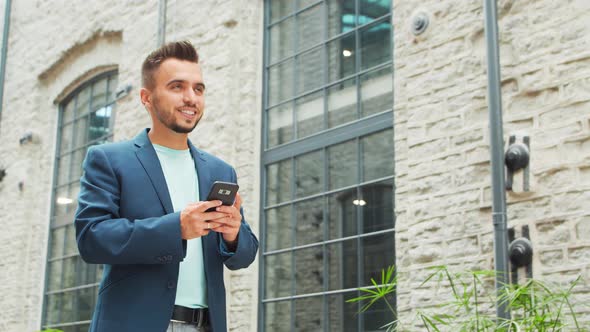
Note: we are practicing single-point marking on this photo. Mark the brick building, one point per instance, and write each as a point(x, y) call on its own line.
point(357, 144)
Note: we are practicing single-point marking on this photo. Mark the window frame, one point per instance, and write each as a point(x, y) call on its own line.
point(319, 141)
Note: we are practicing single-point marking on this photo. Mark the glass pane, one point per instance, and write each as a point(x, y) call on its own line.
point(113, 83)
point(341, 57)
point(343, 164)
point(309, 267)
point(311, 70)
point(54, 271)
point(305, 3)
point(377, 210)
point(68, 111)
point(83, 328)
point(280, 86)
point(99, 270)
point(281, 40)
point(62, 200)
point(81, 131)
point(63, 169)
point(309, 176)
point(277, 316)
point(279, 228)
point(71, 246)
point(280, 125)
point(310, 25)
point(372, 9)
point(87, 272)
point(280, 8)
point(342, 265)
point(99, 93)
point(66, 139)
point(278, 274)
point(341, 16)
point(78, 156)
point(378, 254)
point(375, 44)
point(342, 316)
point(86, 303)
point(278, 181)
point(52, 308)
point(342, 103)
point(99, 123)
point(377, 152)
point(377, 91)
point(308, 314)
point(57, 242)
point(310, 114)
point(379, 314)
point(309, 221)
point(83, 101)
point(68, 307)
point(69, 272)
point(343, 212)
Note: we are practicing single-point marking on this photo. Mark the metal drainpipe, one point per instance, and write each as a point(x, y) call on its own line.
point(497, 155)
point(162, 23)
point(4, 52)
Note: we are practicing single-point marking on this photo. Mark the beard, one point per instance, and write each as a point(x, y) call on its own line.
point(169, 119)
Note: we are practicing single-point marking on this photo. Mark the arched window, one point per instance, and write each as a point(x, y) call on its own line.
point(85, 119)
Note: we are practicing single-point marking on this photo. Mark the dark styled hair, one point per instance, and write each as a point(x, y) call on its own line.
point(181, 50)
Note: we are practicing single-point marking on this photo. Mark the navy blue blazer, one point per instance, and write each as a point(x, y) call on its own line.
point(125, 221)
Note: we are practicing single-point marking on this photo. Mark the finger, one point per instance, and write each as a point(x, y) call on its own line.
point(207, 216)
point(208, 204)
point(238, 201)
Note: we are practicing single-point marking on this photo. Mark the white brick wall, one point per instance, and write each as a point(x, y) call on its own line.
point(54, 46)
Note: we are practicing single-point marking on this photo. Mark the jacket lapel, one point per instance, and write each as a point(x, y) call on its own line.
point(149, 160)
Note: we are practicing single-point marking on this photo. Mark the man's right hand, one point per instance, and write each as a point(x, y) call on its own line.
point(195, 222)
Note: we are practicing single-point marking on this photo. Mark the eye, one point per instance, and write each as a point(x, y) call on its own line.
point(176, 86)
point(199, 89)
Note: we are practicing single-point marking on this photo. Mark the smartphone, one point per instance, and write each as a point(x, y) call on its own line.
point(223, 191)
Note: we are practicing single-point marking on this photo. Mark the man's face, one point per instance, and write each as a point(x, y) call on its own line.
point(176, 100)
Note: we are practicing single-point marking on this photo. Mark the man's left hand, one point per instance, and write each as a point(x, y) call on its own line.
point(230, 224)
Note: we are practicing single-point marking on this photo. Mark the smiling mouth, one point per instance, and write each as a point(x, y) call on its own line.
point(189, 114)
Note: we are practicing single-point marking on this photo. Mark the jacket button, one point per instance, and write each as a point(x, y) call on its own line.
point(171, 284)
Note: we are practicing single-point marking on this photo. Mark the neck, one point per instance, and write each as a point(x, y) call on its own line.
point(168, 138)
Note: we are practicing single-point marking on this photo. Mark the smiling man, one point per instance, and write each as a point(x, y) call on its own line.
point(142, 212)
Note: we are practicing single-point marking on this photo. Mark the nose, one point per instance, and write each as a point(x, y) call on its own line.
point(190, 97)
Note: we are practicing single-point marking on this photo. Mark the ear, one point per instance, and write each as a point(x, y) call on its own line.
point(146, 97)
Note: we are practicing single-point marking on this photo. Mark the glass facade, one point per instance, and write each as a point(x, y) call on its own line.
point(328, 224)
point(85, 119)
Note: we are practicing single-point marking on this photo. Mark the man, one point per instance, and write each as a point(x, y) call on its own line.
point(142, 213)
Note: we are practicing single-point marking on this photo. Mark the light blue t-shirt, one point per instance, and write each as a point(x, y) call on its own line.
point(183, 185)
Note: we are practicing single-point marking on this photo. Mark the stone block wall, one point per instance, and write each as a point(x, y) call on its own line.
point(443, 180)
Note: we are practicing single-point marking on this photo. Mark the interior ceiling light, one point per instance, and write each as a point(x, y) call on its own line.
point(64, 201)
point(359, 202)
point(346, 53)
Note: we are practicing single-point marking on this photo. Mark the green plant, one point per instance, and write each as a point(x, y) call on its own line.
point(534, 305)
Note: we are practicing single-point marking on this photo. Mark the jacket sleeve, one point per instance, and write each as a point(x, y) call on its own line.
point(247, 248)
point(104, 237)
